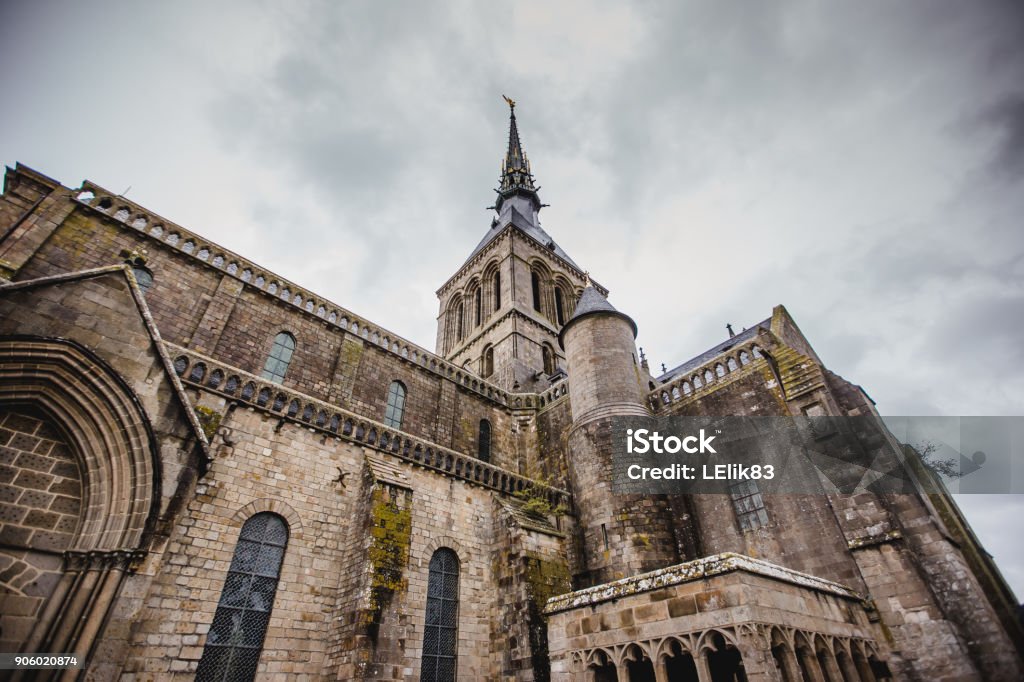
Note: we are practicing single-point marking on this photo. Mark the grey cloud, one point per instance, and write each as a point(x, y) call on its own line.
point(1007, 116)
point(859, 161)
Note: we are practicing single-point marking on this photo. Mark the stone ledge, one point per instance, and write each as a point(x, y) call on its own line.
point(690, 571)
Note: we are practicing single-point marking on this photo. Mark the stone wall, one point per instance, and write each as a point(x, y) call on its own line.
point(40, 502)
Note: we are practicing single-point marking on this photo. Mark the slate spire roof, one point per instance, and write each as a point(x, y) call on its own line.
point(518, 201)
point(515, 168)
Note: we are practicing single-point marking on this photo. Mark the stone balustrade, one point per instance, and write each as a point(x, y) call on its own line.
point(701, 379)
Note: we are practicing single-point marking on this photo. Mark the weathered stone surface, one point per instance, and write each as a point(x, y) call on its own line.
point(147, 505)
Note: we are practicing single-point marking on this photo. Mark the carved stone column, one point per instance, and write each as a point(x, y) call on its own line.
point(790, 666)
point(810, 664)
point(864, 669)
point(850, 673)
point(73, 617)
point(703, 668)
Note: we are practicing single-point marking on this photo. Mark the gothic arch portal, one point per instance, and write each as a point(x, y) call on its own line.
point(115, 449)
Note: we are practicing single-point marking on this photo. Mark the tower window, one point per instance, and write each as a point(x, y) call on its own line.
point(535, 282)
point(441, 625)
point(559, 307)
point(478, 306)
point(749, 505)
point(483, 444)
point(396, 405)
point(460, 331)
point(549, 359)
point(235, 640)
point(497, 291)
point(488, 362)
point(280, 357)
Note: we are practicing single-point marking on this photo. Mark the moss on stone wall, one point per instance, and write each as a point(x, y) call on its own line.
point(209, 419)
point(545, 578)
point(390, 533)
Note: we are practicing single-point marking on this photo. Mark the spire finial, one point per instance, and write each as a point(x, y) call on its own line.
point(516, 177)
point(731, 332)
point(586, 278)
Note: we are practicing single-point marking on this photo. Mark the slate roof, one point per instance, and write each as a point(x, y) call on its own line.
point(695, 362)
point(592, 301)
point(527, 227)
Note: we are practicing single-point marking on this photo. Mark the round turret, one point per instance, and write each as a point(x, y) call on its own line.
point(605, 377)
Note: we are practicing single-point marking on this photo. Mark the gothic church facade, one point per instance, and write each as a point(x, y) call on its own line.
point(209, 472)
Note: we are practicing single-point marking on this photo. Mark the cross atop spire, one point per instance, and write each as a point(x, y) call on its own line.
point(516, 178)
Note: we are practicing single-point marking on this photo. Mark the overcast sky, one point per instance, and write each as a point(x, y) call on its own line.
point(860, 162)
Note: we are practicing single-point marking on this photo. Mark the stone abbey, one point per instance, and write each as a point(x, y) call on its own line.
point(209, 472)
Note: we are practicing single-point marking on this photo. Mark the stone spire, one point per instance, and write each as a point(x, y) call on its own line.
point(516, 180)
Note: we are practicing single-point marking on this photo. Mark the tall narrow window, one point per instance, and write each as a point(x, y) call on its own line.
point(280, 357)
point(497, 291)
point(749, 505)
point(441, 627)
point(144, 277)
point(396, 405)
point(559, 307)
point(478, 306)
point(460, 330)
point(535, 282)
point(483, 444)
point(235, 640)
point(549, 359)
point(488, 362)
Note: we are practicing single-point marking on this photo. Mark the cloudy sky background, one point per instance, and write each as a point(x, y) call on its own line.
point(862, 163)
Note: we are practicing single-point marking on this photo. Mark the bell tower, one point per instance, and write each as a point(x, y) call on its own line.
point(501, 312)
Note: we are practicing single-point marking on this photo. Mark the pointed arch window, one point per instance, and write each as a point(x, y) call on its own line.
point(497, 291)
point(559, 306)
point(488, 362)
point(535, 284)
point(483, 443)
point(478, 306)
point(460, 329)
point(280, 357)
point(441, 626)
point(239, 627)
point(395, 409)
point(549, 359)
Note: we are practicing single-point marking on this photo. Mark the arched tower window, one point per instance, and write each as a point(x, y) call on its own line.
point(396, 405)
point(235, 640)
point(535, 284)
point(478, 306)
point(488, 362)
point(441, 627)
point(483, 444)
point(460, 328)
point(497, 291)
point(559, 306)
point(280, 357)
point(549, 359)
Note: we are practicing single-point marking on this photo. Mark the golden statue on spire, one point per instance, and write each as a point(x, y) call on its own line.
point(511, 102)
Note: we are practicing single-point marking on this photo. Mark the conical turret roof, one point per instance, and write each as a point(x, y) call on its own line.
point(592, 302)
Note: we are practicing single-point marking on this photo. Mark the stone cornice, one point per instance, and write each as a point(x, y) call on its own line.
point(289, 405)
